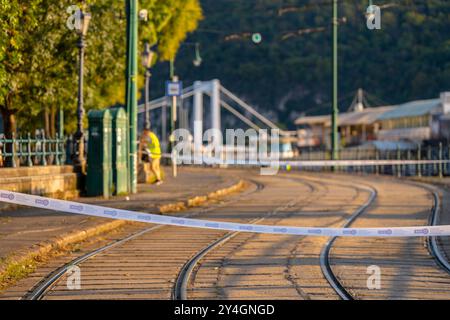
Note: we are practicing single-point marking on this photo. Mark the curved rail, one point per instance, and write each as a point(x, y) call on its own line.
point(181, 284)
point(40, 290)
point(325, 254)
point(433, 246)
point(180, 288)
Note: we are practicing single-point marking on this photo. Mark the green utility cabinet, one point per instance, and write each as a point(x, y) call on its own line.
point(119, 151)
point(99, 160)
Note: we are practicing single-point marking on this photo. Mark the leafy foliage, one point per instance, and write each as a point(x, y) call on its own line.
point(39, 54)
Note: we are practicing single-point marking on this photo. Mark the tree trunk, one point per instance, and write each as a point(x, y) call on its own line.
point(9, 123)
point(52, 132)
point(46, 122)
point(10, 128)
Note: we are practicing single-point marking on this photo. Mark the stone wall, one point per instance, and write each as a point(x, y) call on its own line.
point(53, 181)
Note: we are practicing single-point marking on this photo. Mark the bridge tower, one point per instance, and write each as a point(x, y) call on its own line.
point(212, 88)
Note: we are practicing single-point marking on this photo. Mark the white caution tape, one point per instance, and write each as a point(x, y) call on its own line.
point(104, 212)
point(301, 163)
point(359, 163)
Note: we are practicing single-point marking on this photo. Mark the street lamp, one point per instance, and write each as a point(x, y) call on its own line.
point(82, 29)
point(198, 59)
point(370, 13)
point(197, 62)
point(147, 57)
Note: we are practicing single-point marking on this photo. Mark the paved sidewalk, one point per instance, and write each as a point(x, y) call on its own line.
point(26, 229)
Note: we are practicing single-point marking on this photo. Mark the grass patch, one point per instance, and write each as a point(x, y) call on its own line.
point(13, 269)
point(16, 270)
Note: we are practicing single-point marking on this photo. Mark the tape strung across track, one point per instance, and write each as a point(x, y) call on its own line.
point(105, 212)
point(300, 163)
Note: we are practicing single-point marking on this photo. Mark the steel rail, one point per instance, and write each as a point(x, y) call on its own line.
point(181, 284)
point(432, 244)
point(41, 289)
point(325, 264)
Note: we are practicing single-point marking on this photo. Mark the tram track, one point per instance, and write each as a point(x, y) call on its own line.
point(40, 290)
point(324, 264)
point(182, 281)
point(226, 245)
point(180, 290)
point(325, 253)
point(415, 267)
point(187, 272)
point(432, 242)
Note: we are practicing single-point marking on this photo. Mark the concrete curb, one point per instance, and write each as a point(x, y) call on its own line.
point(200, 200)
point(45, 248)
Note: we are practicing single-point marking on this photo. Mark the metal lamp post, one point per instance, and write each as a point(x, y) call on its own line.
point(335, 110)
point(82, 30)
point(131, 90)
point(147, 57)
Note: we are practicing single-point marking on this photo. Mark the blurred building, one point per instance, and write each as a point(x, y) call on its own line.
point(445, 127)
point(414, 122)
point(313, 131)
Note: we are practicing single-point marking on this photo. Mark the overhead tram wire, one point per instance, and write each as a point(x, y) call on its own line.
point(377, 101)
point(240, 35)
point(326, 105)
point(314, 4)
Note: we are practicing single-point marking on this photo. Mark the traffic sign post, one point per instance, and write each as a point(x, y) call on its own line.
point(174, 89)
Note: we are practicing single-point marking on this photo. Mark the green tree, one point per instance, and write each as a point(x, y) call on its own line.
point(38, 55)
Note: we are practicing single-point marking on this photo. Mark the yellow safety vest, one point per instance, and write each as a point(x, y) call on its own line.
point(153, 145)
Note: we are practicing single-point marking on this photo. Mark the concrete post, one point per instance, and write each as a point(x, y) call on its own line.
point(441, 174)
point(173, 125)
point(198, 117)
point(164, 127)
point(215, 104)
point(215, 111)
point(419, 158)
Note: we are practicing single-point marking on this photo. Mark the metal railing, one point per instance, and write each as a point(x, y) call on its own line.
point(27, 151)
point(437, 152)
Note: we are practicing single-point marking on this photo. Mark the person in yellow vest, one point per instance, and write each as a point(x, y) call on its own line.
point(150, 151)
